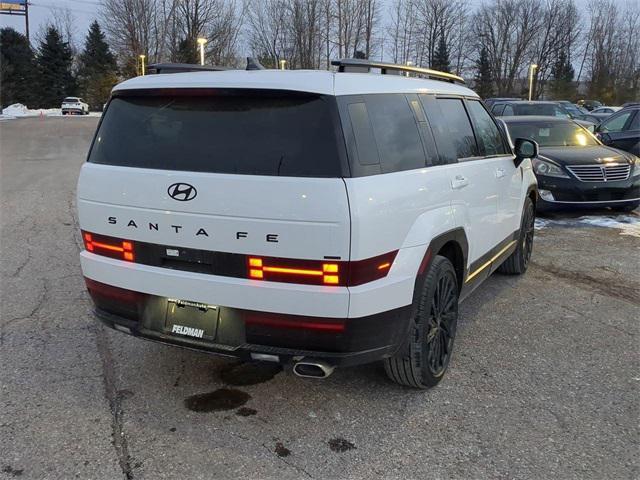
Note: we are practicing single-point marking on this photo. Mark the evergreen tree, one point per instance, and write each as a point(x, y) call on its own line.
point(483, 80)
point(17, 69)
point(188, 51)
point(97, 72)
point(55, 78)
point(562, 87)
point(441, 56)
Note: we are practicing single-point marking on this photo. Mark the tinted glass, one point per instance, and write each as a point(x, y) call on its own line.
point(538, 109)
point(489, 136)
point(458, 127)
point(396, 132)
point(498, 109)
point(508, 110)
point(615, 124)
point(365, 143)
point(552, 134)
point(276, 134)
point(635, 123)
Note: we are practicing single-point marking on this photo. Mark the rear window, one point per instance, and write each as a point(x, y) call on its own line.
point(70, 100)
point(539, 109)
point(275, 133)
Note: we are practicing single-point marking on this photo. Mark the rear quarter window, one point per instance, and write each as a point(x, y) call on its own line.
point(242, 132)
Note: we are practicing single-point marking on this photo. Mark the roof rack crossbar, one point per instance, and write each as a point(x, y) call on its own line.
point(181, 67)
point(362, 65)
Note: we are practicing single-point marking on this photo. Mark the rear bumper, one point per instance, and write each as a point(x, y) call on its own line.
point(241, 333)
point(571, 193)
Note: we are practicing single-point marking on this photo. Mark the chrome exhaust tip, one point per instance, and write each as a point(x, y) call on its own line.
point(313, 369)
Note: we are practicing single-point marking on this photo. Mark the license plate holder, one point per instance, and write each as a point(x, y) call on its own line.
point(185, 318)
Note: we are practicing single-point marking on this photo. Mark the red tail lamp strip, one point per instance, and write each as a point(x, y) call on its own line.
point(109, 246)
point(301, 323)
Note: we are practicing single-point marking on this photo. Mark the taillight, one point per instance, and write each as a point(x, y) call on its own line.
point(109, 246)
point(318, 272)
point(294, 271)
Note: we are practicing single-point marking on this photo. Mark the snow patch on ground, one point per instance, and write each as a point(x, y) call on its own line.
point(17, 110)
point(627, 224)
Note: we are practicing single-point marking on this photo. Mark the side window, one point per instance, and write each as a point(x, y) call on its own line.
point(365, 143)
point(396, 132)
point(458, 127)
point(508, 110)
point(498, 109)
point(615, 124)
point(635, 123)
point(440, 128)
point(425, 130)
point(489, 137)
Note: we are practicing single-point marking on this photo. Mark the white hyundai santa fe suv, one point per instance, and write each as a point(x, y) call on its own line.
point(310, 218)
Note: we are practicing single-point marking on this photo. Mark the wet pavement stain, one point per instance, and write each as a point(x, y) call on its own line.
point(281, 450)
point(249, 373)
point(12, 471)
point(340, 445)
point(246, 412)
point(218, 400)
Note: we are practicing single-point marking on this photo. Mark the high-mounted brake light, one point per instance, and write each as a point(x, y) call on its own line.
point(109, 246)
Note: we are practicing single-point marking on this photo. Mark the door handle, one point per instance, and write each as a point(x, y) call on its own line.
point(459, 182)
point(499, 172)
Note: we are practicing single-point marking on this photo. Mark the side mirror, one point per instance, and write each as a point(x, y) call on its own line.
point(524, 149)
point(604, 137)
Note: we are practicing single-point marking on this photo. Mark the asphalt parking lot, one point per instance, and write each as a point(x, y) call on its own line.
point(544, 382)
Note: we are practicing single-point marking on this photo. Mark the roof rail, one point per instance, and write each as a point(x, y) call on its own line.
point(359, 65)
point(181, 67)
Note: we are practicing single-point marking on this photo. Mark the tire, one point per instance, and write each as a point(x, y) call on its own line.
point(627, 208)
point(424, 361)
point(518, 261)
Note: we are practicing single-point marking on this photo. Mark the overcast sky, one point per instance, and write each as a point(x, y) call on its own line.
point(85, 11)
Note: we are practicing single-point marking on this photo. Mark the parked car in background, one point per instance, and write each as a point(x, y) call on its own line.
point(524, 107)
point(490, 101)
point(595, 118)
point(589, 104)
point(574, 110)
point(607, 110)
point(574, 169)
point(631, 104)
point(622, 130)
point(74, 106)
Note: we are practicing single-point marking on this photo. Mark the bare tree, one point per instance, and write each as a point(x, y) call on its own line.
point(506, 29)
point(557, 35)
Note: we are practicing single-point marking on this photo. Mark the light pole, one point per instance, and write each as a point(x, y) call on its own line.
point(532, 67)
point(283, 63)
point(201, 41)
point(142, 57)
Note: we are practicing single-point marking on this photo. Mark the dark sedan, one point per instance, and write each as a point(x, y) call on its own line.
point(523, 107)
point(574, 169)
point(622, 130)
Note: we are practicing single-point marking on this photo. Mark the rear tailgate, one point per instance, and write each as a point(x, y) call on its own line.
point(304, 218)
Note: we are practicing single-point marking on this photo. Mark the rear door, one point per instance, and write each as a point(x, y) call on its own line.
point(251, 172)
point(509, 179)
point(472, 179)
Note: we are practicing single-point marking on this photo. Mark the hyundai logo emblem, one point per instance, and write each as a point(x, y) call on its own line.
point(182, 192)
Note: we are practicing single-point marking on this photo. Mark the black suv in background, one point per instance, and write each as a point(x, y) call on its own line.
point(523, 107)
point(622, 130)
